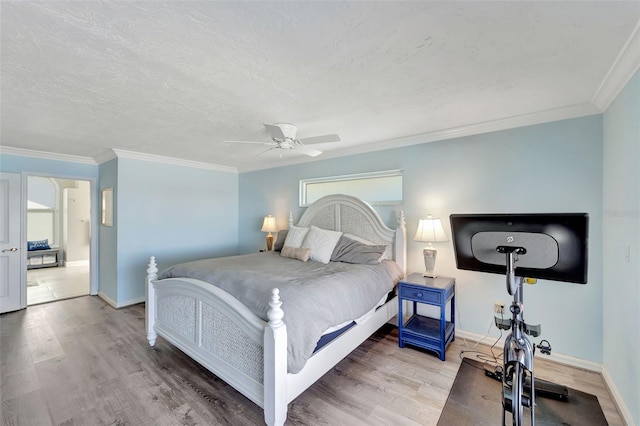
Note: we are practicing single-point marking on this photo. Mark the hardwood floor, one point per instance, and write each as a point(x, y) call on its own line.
point(81, 362)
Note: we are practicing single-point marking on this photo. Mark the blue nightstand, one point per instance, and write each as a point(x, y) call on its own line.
point(428, 333)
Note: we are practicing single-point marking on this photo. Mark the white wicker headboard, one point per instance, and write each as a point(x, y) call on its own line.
point(351, 215)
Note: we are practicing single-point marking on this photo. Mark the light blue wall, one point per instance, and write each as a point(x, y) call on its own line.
point(172, 212)
point(552, 167)
point(108, 253)
point(621, 226)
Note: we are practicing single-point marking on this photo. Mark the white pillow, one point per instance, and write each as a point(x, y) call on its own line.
point(295, 236)
point(321, 242)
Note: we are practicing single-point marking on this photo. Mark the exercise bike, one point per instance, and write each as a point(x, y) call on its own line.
point(518, 350)
point(550, 246)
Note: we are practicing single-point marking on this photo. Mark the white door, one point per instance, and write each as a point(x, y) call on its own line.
point(10, 225)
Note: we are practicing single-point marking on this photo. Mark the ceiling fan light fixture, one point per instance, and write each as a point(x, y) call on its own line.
point(288, 130)
point(283, 138)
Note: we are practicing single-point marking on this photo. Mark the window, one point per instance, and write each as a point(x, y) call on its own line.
point(42, 210)
point(376, 188)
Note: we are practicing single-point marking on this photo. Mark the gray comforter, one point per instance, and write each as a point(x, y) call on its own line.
point(314, 296)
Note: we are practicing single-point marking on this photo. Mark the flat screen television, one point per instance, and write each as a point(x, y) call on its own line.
point(555, 243)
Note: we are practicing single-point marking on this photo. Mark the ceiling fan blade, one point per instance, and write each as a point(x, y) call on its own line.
point(252, 142)
point(275, 131)
point(279, 152)
point(320, 139)
point(308, 151)
point(268, 150)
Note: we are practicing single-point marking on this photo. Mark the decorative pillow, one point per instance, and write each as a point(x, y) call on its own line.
point(280, 237)
point(295, 253)
point(295, 236)
point(38, 245)
point(351, 251)
point(321, 242)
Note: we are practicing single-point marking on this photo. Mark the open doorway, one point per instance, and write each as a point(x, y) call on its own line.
point(58, 229)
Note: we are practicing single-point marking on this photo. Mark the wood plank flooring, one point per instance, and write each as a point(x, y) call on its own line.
point(81, 362)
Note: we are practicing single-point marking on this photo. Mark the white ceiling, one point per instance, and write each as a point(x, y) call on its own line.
point(177, 78)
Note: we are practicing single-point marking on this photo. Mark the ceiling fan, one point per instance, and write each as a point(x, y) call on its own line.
point(283, 137)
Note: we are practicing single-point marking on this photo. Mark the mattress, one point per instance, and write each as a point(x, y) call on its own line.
point(315, 296)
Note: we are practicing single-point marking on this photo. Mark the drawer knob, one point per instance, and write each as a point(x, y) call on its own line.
point(419, 294)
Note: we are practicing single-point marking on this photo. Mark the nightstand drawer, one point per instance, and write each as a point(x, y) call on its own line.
point(420, 294)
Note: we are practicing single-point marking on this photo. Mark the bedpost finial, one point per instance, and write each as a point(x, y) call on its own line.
point(401, 220)
point(275, 313)
point(152, 270)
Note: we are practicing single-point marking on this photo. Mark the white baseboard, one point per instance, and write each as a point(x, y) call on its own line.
point(554, 357)
point(107, 299)
point(617, 398)
point(116, 305)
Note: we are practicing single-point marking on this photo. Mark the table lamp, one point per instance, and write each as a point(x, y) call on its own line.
point(430, 231)
point(269, 225)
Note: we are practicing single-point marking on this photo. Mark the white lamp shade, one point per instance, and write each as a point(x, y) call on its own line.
point(269, 224)
point(430, 230)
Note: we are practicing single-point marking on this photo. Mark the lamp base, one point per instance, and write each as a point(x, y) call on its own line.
point(430, 262)
point(269, 242)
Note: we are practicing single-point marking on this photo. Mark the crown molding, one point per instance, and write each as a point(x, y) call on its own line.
point(172, 161)
point(46, 155)
point(556, 114)
point(540, 117)
point(513, 122)
point(110, 155)
point(624, 67)
point(106, 156)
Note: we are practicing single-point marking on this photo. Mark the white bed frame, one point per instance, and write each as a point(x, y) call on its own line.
point(223, 335)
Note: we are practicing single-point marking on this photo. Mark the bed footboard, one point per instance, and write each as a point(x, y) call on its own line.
point(224, 336)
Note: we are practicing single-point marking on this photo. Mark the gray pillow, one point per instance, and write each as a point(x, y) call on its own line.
point(351, 251)
point(280, 237)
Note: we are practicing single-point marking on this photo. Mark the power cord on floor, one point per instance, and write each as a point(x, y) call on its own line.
point(491, 363)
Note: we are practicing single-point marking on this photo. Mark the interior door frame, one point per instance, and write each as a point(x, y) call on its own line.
point(93, 241)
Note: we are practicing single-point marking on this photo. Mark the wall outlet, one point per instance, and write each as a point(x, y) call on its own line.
point(498, 307)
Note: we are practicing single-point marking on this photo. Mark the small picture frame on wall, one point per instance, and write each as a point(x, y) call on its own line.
point(106, 207)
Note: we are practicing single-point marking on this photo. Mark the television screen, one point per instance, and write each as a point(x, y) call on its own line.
point(555, 244)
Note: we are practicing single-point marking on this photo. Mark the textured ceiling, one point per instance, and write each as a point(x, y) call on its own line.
point(177, 79)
